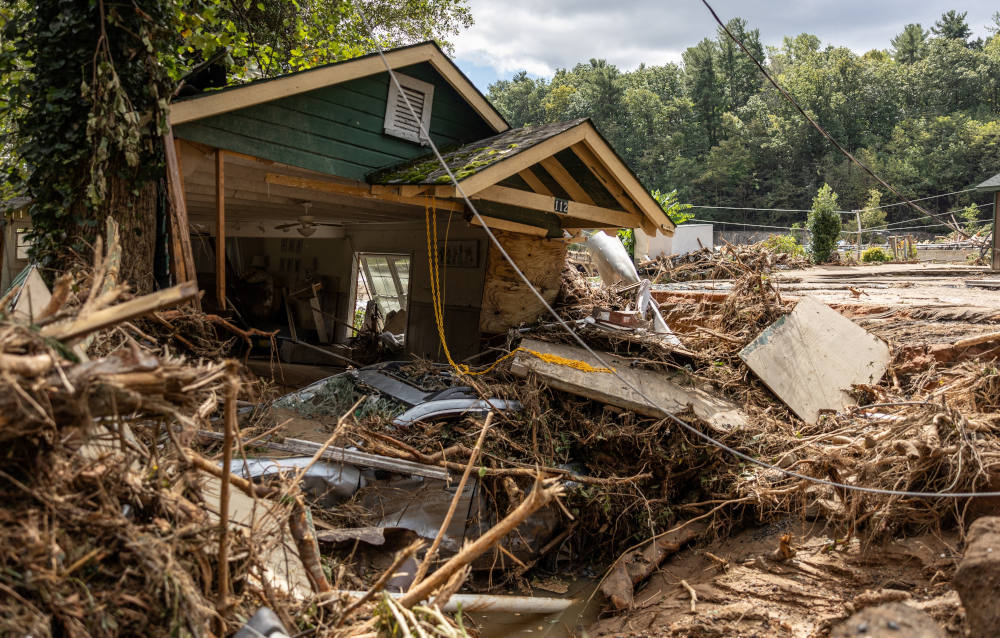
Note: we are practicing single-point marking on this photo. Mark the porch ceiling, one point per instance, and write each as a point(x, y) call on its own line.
point(258, 194)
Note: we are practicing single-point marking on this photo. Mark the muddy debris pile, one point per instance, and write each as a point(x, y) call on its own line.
point(116, 521)
point(727, 262)
point(152, 485)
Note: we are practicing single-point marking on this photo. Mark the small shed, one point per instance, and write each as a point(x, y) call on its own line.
point(309, 191)
point(992, 185)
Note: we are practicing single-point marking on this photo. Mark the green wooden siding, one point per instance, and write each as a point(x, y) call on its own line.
point(338, 129)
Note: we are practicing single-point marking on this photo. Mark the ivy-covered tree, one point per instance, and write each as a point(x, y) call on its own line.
point(90, 93)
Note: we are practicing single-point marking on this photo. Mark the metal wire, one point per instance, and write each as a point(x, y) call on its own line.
point(559, 320)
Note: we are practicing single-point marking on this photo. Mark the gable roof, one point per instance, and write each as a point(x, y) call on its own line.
point(990, 185)
point(197, 107)
point(480, 166)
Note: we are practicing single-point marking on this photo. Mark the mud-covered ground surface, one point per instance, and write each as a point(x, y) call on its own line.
point(741, 589)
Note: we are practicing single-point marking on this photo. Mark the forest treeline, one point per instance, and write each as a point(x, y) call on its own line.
point(924, 113)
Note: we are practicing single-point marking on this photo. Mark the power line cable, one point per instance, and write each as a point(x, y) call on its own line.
point(965, 190)
point(843, 212)
point(425, 136)
point(711, 221)
point(815, 124)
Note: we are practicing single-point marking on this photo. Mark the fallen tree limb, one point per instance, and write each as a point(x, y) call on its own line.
point(248, 487)
point(537, 498)
point(638, 564)
point(106, 317)
point(432, 551)
point(405, 451)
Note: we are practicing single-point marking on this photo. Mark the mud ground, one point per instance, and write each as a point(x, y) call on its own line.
point(743, 591)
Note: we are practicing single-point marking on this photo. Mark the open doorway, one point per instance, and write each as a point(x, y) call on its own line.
point(385, 279)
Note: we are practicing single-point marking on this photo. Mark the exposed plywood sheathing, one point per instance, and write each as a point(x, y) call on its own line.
point(811, 357)
point(507, 301)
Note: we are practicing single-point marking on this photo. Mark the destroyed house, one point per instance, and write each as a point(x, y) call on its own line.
point(309, 193)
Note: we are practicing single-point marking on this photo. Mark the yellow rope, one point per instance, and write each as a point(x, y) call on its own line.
point(582, 366)
point(430, 216)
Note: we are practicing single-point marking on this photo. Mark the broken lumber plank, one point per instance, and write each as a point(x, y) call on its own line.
point(343, 455)
point(812, 356)
point(112, 315)
point(662, 390)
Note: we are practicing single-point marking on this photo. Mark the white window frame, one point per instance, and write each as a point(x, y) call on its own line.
point(392, 126)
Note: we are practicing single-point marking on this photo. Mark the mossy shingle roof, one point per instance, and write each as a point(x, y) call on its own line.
point(992, 184)
point(465, 161)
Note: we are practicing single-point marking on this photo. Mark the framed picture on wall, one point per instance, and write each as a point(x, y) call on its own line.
point(461, 253)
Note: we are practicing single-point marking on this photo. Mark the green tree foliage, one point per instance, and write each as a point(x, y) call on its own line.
point(824, 224)
point(872, 217)
point(910, 45)
point(925, 117)
point(677, 212)
point(952, 26)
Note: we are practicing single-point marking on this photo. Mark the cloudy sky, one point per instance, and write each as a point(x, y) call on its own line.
point(539, 37)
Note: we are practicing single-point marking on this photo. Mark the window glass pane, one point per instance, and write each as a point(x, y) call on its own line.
point(379, 271)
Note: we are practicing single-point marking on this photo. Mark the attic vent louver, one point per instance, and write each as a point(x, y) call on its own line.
point(399, 121)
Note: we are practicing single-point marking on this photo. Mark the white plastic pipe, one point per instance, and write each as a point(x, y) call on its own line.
point(487, 602)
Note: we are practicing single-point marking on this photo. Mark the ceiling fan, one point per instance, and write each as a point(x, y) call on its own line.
point(305, 224)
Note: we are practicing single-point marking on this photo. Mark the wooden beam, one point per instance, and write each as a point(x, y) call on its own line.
point(549, 204)
point(113, 315)
point(249, 186)
point(220, 228)
point(363, 191)
point(536, 184)
point(180, 229)
point(218, 102)
point(514, 227)
point(405, 190)
point(624, 176)
point(564, 179)
point(595, 166)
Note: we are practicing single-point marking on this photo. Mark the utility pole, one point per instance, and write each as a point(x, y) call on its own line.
point(857, 216)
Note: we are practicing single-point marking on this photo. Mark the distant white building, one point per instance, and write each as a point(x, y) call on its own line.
point(687, 238)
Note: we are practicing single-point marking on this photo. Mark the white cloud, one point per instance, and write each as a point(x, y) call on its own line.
point(538, 37)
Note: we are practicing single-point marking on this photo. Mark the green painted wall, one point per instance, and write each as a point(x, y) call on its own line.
point(338, 130)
